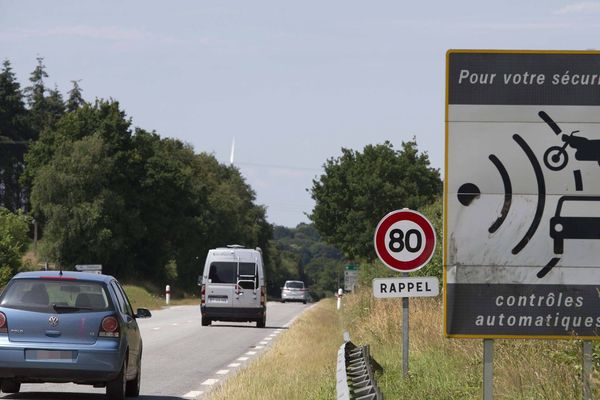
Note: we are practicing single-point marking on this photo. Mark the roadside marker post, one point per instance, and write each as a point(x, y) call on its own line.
point(168, 294)
point(404, 241)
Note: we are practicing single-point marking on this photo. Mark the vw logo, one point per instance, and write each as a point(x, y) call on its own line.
point(53, 321)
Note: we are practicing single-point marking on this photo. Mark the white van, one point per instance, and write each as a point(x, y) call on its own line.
point(233, 286)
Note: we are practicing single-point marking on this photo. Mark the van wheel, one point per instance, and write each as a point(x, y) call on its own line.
point(262, 322)
point(206, 321)
point(9, 386)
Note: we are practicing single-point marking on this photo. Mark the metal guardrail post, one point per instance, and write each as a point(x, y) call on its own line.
point(355, 373)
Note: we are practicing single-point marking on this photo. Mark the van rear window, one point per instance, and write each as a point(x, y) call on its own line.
point(227, 272)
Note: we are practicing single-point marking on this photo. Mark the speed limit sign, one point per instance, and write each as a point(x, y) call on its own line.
point(404, 240)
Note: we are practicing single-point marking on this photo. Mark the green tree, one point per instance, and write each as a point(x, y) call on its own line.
point(14, 132)
point(45, 106)
point(13, 242)
point(75, 99)
point(358, 188)
point(82, 189)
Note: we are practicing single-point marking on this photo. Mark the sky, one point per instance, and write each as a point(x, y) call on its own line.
point(292, 82)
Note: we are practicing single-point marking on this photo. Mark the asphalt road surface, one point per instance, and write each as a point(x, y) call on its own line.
point(182, 359)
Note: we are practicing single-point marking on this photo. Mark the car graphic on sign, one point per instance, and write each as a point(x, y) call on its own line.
point(574, 219)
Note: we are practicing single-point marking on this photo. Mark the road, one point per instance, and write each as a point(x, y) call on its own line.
point(182, 359)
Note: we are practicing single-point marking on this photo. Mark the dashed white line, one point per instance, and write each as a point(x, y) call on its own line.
point(222, 372)
point(264, 342)
point(243, 358)
point(250, 353)
point(156, 329)
point(193, 394)
point(259, 347)
point(209, 382)
point(234, 365)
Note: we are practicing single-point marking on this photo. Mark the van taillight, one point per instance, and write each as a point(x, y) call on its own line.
point(263, 298)
point(203, 294)
point(3, 324)
point(109, 327)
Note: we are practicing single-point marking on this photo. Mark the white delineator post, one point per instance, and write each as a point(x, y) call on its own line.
point(168, 294)
point(340, 293)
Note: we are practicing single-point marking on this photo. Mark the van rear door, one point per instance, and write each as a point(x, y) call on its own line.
point(220, 288)
point(247, 291)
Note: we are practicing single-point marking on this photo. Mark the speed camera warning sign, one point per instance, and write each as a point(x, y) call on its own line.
point(404, 240)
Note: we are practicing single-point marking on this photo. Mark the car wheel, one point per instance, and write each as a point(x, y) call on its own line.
point(9, 386)
point(304, 302)
point(115, 389)
point(132, 387)
point(206, 321)
point(262, 322)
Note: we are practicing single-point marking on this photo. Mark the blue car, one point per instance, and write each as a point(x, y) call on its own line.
point(69, 327)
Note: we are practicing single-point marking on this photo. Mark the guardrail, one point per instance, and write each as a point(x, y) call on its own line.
point(355, 373)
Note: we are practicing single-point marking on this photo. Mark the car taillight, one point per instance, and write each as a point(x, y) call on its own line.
point(109, 327)
point(3, 324)
point(263, 297)
point(203, 294)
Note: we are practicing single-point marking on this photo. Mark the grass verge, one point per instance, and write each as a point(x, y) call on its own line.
point(442, 368)
point(300, 365)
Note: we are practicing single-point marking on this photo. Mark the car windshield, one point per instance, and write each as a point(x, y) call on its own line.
point(294, 285)
point(55, 295)
point(580, 208)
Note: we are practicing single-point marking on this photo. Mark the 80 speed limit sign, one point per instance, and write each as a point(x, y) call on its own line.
point(404, 240)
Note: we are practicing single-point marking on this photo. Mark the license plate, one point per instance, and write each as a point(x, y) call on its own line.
point(215, 299)
point(50, 355)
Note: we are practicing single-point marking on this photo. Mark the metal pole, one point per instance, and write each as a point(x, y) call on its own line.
point(586, 373)
point(405, 333)
point(488, 369)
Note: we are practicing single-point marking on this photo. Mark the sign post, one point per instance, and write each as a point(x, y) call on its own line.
point(404, 241)
point(521, 195)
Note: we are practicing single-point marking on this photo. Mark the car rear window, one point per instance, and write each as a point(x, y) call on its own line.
point(55, 295)
point(294, 285)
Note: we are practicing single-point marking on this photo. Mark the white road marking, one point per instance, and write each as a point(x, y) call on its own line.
point(264, 343)
point(268, 338)
point(251, 353)
point(156, 329)
point(193, 394)
point(259, 347)
point(243, 358)
point(174, 324)
point(222, 372)
point(234, 365)
point(209, 382)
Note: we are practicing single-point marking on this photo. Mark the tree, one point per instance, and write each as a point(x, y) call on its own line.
point(44, 109)
point(13, 242)
point(358, 189)
point(75, 99)
point(14, 131)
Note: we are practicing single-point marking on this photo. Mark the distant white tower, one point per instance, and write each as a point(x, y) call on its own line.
point(232, 151)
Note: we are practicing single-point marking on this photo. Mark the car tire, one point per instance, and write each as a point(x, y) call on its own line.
point(206, 321)
point(10, 386)
point(304, 302)
point(132, 387)
point(261, 322)
point(115, 389)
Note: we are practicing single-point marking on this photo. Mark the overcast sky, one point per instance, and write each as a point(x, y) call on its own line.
point(293, 82)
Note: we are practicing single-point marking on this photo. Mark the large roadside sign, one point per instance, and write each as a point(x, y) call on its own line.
point(522, 194)
point(404, 240)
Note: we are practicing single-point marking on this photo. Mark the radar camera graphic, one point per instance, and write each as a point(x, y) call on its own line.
point(555, 158)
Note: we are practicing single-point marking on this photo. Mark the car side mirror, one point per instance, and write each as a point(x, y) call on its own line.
point(143, 313)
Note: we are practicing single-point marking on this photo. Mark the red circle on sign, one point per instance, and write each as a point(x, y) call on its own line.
point(381, 232)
